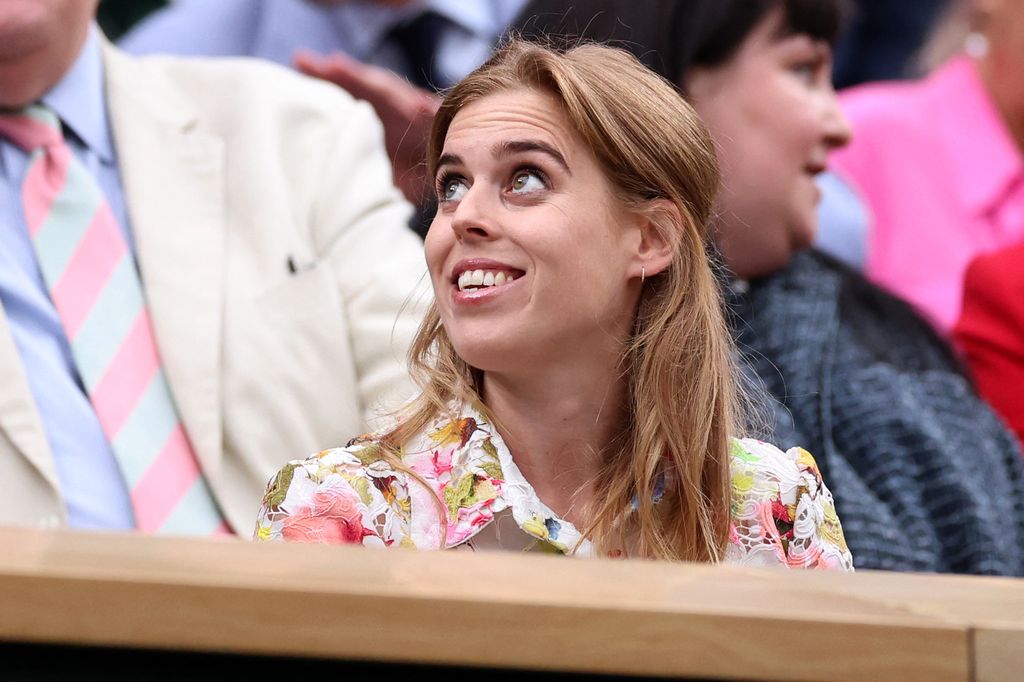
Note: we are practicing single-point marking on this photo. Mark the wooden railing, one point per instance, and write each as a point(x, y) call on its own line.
point(503, 611)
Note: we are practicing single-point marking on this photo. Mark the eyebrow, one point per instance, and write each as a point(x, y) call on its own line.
point(505, 149)
point(449, 160)
point(520, 146)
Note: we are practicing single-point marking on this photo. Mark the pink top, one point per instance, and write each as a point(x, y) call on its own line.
point(941, 179)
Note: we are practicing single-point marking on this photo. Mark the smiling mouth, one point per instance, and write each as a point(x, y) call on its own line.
point(475, 280)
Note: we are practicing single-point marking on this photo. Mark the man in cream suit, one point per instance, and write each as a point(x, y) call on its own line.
point(280, 280)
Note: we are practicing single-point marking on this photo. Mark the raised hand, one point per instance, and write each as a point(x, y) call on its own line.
point(405, 110)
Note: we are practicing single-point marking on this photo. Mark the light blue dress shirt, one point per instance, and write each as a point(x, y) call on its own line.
point(93, 487)
point(277, 29)
point(842, 222)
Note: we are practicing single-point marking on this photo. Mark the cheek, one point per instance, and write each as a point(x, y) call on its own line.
point(593, 268)
point(748, 145)
point(437, 246)
point(783, 116)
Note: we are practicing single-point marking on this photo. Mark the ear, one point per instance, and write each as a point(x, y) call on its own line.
point(659, 224)
point(699, 83)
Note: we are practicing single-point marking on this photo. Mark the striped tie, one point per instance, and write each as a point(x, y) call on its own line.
point(95, 288)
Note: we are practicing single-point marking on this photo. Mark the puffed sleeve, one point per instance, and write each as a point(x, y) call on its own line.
point(334, 497)
point(782, 511)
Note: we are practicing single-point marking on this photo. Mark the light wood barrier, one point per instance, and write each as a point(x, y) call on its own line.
point(504, 611)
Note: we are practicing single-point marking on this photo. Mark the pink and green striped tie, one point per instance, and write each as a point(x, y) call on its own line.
point(96, 290)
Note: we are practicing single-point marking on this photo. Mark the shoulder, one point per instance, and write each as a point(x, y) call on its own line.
point(349, 495)
point(890, 123)
point(877, 103)
point(782, 511)
point(196, 27)
point(228, 92)
point(874, 108)
point(758, 461)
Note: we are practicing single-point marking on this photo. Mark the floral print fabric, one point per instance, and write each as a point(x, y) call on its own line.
point(782, 512)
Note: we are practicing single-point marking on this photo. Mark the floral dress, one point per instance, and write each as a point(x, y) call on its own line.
point(782, 512)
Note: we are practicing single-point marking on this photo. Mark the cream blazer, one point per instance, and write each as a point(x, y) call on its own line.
point(282, 281)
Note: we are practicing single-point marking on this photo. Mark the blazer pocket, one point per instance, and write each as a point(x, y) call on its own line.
point(291, 384)
point(308, 293)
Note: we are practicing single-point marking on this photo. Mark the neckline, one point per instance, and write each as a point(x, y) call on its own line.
point(531, 514)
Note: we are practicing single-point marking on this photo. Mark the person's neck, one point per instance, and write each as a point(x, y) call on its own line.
point(557, 421)
point(998, 73)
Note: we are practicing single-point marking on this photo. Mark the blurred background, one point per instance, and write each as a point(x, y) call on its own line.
point(885, 39)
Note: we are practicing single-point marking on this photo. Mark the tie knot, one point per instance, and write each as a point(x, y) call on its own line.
point(32, 128)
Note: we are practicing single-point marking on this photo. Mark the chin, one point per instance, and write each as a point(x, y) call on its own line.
point(802, 232)
point(487, 354)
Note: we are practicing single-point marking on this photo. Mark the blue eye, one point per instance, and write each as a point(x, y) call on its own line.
point(453, 189)
point(524, 182)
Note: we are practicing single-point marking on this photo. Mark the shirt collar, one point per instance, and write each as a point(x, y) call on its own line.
point(79, 99)
point(364, 25)
point(989, 163)
point(487, 19)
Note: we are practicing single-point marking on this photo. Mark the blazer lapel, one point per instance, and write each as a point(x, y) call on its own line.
point(172, 173)
point(19, 418)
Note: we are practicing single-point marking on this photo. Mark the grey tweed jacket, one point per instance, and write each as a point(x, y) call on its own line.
point(925, 476)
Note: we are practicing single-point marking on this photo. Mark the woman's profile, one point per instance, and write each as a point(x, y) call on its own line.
point(578, 387)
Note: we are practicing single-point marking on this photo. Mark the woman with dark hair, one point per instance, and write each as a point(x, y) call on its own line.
point(926, 477)
point(578, 387)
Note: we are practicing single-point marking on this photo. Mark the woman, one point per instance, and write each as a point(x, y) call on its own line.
point(926, 477)
point(578, 391)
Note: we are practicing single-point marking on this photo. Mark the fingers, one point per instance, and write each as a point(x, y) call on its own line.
point(339, 69)
point(405, 110)
point(385, 90)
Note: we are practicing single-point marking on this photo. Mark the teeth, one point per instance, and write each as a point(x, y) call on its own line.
point(472, 280)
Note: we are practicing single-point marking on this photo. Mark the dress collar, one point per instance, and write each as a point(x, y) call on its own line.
point(478, 478)
point(530, 512)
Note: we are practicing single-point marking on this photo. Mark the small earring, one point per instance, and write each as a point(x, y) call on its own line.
point(976, 45)
point(643, 274)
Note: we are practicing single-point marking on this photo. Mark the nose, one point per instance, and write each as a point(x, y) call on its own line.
point(474, 215)
point(837, 128)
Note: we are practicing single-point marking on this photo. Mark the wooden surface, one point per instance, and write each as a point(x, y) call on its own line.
point(505, 611)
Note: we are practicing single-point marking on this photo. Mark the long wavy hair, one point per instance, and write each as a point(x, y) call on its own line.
point(664, 487)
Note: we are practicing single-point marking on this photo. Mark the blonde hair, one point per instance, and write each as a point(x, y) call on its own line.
point(678, 365)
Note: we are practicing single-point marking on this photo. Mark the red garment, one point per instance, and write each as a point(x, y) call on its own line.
point(991, 331)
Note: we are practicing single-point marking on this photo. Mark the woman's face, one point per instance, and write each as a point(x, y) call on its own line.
point(774, 116)
point(530, 254)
